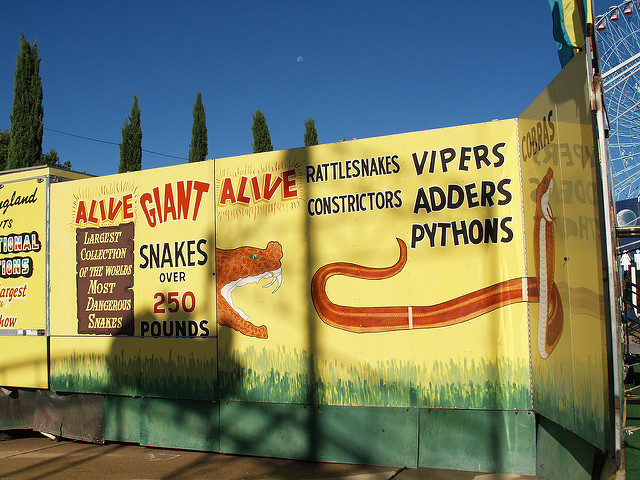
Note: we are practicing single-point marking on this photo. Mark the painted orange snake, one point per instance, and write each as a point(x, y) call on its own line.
point(540, 288)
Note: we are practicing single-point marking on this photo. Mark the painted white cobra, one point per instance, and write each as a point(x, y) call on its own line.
point(543, 290)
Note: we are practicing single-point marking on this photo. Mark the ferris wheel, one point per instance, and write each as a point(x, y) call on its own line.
point(618, 36)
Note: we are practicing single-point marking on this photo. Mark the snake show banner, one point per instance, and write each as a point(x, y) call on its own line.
point(568, 331)
point(393, 269)
point(24, 245)
point(135, 254)
point(453, 268)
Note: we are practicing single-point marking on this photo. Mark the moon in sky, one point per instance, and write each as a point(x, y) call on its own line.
point(299, 59)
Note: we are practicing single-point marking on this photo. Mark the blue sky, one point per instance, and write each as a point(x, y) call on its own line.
point(361, 69)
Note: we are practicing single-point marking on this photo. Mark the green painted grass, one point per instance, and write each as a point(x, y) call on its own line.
point(294, 376)
point(174, 376)
point(289, 375)
point(575, 397)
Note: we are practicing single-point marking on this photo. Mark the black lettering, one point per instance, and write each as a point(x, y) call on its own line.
point(205, 328)
point(461, 231)
point(396, 165)
point(465, 156)
point(331, 205)
point(447, 155)
point(491, 230)
point(487, 190)
point(202, 251)
point(455, 191)
point(421, 202)
point(498, 154)
point(502, 188)
point(508, 233)
point(443, 233)
point(389, 199)
point(193, 329)
point(365, 167)
point(398, 198)
point(166, 256)
point(431, 233)
point(417, 234)
point(156, 329)
point(145, 263)
point(310, 173)
point(437, 204)
point(178, 254)
point(470, 188)
point(190, 253)
point(154, 255)
point(476, 234)
point(481, 154)
point(181, 329)
point(551, 126)
point(167, 332)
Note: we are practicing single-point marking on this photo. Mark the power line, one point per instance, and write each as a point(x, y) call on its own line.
point(111, 143)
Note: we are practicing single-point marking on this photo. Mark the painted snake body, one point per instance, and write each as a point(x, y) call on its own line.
point(461, 309)
point(550, 320)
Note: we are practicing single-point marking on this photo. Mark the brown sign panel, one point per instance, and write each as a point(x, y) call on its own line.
point(104, 274)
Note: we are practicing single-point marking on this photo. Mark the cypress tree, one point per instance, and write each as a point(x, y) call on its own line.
point(131, 146)
point(261, 136)
point(310, 132)
point(25, 144)
point(199, 147)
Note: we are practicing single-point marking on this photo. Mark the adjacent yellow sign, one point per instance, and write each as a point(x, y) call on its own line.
point(22, 255)
point(23, 275)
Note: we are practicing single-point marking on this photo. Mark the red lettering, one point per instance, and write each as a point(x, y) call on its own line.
point(184, 197)
point(269, 189)
point(156, 197)
point(103, 211)
point(149, 213)
point(201, 188)
point(127, 211)
point(226, 192)
point(289, 183)
point(255, 189)
point(169, 205)
point(242, 198)
point(81, 214)
point(113, 209)
point(92, 212)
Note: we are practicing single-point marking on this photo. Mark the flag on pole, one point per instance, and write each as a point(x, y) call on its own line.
point(570, 23)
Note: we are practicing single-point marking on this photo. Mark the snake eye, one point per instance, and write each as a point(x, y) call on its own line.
point(253, 256)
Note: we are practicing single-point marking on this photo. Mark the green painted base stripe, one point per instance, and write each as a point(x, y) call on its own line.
point(478, 440)
point(186, 424)
point(562, 454)
point(369, 435)
point(122, 419)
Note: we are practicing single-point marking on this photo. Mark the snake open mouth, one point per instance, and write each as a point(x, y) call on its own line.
point(238, 267)
point(227, 290)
